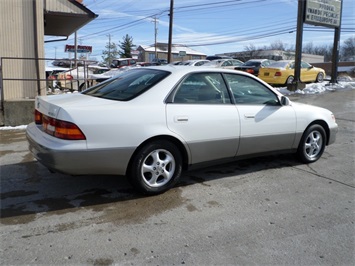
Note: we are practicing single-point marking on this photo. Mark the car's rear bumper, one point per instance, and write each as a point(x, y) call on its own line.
point(274, 81)
point(72, 157)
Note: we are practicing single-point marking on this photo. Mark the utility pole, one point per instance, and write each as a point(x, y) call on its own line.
point(109, 50)
point(170, 29)
point(297, 84)
point(335, 56)
point(155, 36)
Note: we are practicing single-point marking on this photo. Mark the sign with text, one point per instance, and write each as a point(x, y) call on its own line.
point(80, 48)
point(182, 53)
point(325, 13)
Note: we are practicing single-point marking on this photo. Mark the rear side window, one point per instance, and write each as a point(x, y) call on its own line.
point(202, 88)
point(127, 85)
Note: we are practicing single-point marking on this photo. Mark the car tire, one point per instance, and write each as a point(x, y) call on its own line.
point(156, 167)
point(289, 80)
point(312, 144)
point(320, 77)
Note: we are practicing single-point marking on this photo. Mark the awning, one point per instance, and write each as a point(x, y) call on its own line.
point(59, 23)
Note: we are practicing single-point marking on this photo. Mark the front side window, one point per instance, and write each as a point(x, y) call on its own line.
point(247, 90)
point(128, 84)
point(202, 88)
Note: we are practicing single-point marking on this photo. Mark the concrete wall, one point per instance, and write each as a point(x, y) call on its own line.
point(18, 112)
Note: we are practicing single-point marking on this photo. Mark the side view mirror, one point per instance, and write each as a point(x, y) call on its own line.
point(285, 101)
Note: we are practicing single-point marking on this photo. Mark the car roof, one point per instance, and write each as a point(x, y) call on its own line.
point(121, 59)
point(179, 69)
point(257, 60)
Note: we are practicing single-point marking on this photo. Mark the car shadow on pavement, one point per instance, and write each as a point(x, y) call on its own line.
point(31, 189)
point(238, 169)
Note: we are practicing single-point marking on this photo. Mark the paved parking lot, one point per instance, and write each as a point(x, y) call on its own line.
point(265, 211)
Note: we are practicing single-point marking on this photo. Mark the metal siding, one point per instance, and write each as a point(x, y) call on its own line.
point(62, 6)
point(17, 24)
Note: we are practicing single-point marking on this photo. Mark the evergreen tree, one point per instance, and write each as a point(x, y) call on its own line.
point(110, 53)
point(126, 47)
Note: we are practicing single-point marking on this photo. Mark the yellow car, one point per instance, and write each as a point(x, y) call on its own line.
point(283, 71)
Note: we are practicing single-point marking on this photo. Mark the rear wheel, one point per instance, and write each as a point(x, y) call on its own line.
point(290, 80)
point(156, 167)
point(312, 144)
point(320, 77)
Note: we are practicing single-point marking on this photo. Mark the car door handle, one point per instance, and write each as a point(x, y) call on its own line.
point(181, 119)
point(249, 116)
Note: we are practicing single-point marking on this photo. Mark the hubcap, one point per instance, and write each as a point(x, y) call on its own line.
point(313, 144)
point(158, 168)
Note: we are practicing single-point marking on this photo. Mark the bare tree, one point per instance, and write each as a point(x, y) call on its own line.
point(308, 48)
point(278, 45)
point(348, 48)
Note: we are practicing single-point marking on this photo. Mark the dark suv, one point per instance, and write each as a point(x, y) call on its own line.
point(214, 57)
point(123, 62)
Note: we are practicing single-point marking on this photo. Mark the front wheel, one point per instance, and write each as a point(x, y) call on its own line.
point(156, 167)
point(320, 77)
point(290, 80)
point(312, 144)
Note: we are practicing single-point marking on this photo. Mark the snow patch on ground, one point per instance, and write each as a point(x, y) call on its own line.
point(345, 83)
point(22, 127)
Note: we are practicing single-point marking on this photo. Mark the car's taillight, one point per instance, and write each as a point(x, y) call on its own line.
point(251, 71)
point(69, 77)
point(61, 129)
point(278, 74)
point(38, 117)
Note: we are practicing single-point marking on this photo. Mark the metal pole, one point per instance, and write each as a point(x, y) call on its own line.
point(170, 29)
point(75, 49)
point(155, 37)
point(335, 55)
point(296, 84)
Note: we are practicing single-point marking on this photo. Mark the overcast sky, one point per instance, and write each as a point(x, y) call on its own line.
point(208, 26)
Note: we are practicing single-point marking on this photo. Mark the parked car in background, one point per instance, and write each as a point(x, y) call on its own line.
point(252, 66)
point(282, 72)
point(144, 64)
point(176, 63)
point(97, 78)
point(76, 79)
point(159, 61)
point(122, 62)
point(224, 63)
point(214, 57)
point(151, 123)
point(197, 62)
point(52, 75)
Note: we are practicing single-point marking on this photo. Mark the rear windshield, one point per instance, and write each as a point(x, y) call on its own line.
point(128, 84)
point(252, 63)
point(279, 64)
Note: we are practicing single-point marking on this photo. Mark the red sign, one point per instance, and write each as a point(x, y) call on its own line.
point(80, 48)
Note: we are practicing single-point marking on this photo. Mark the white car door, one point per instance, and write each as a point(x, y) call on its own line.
point(201, 113)
point(266, 125)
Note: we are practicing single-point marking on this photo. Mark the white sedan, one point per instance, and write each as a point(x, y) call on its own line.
point(152, 123)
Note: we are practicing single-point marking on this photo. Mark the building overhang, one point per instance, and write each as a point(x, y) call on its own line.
point(66, 21)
